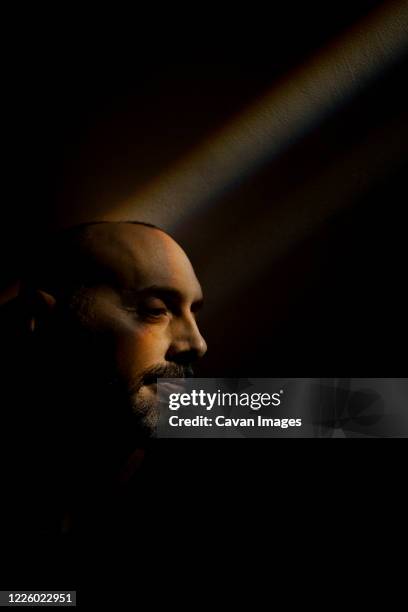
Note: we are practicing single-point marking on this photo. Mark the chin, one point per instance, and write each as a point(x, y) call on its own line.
point(145, 406)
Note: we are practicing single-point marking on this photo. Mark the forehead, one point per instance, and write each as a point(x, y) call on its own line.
point(137, 257)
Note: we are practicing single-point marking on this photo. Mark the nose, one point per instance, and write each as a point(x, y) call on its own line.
point(187, 344)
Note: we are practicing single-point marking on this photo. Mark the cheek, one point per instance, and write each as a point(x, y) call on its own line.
point(138, 346)
point(126, 346)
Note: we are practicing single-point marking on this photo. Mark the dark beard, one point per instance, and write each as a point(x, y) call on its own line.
point(99, 416)
point(146, 410)
point(150, 376)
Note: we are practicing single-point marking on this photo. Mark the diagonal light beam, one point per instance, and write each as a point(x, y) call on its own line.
point(268, 127)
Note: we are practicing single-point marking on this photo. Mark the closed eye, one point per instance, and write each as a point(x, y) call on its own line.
point(148, 313)
point(153, 312)
point(152, 308)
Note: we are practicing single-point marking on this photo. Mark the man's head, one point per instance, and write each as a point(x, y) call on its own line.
point(114, 305)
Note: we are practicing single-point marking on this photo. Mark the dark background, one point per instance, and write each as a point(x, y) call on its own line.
point(97, 106)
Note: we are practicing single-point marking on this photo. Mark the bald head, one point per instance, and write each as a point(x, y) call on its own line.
point(129, 256)
point(86, 254)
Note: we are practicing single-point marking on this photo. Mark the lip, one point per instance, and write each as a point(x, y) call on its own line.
point(173, 386)
point(152, 386)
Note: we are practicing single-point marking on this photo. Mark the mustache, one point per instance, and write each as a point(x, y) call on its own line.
point(171, 370)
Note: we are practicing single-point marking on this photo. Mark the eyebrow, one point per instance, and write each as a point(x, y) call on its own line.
point(166, 293)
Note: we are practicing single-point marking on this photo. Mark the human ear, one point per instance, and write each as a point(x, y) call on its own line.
point(38, 306)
